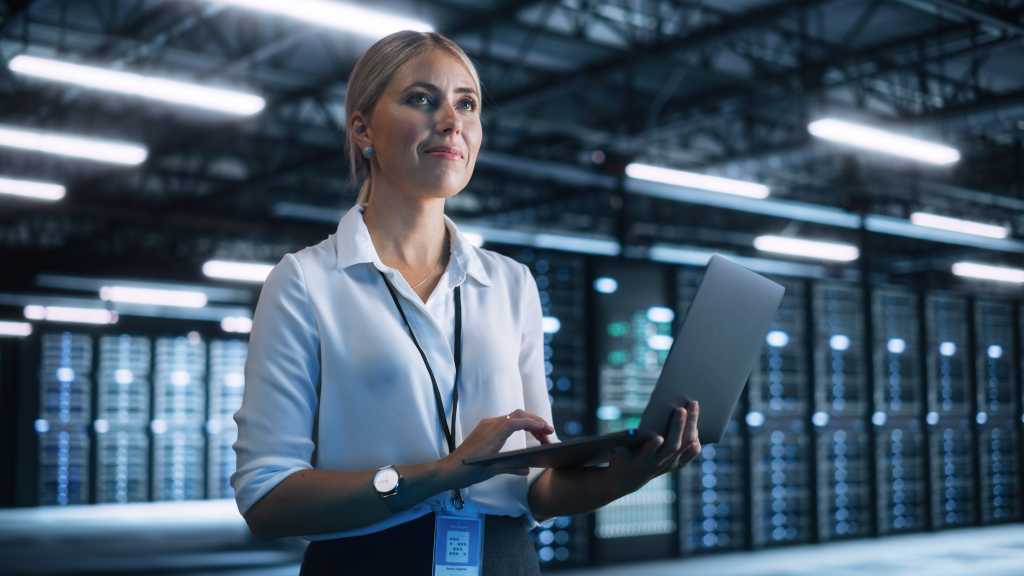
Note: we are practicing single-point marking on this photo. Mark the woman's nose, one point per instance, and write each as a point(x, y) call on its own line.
point(448, 119)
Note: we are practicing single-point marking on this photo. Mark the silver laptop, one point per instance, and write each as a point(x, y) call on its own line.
point(710, 359)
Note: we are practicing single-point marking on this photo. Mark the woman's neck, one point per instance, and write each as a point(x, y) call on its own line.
point(407, 233)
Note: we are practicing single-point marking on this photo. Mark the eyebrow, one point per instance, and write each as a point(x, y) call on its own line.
point(429, 86)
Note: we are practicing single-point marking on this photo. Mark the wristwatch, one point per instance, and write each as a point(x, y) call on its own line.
point(386, 481)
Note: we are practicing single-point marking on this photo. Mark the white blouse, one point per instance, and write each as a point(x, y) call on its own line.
point(325, 316)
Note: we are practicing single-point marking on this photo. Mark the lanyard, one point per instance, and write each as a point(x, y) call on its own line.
point(449, 432)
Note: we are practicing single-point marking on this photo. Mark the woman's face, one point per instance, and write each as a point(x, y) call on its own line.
point(425, 128)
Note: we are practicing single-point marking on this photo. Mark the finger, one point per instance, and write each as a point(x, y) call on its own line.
point(542, 438)
point(523, 414)
point(651, 446)
point(513, 425)
point(674, 440)
point(691, 434)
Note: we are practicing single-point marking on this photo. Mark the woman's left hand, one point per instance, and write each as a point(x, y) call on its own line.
point(630, 470)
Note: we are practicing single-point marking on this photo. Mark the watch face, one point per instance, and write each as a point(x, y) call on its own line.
point(385, 480)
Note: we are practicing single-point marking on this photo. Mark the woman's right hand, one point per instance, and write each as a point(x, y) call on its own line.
point(487, 439)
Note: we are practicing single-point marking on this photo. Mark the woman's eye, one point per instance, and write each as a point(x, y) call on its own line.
point(470, 102)
point(419, 99)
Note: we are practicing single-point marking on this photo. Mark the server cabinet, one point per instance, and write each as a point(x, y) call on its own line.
point(952, 473)
point(562, 286)
point(844, 480)
point(841, 401)
point(779, 383)
point(65, 389)
point(635, 329)
point(226, 386)
point(840, 384)
point(781, 496)
point(713, 488)
point(998, 455)
point(179, 415)
point(713, 496)
point(780, 446)
point(950, 411)
point(122, 418)
point(901, 480)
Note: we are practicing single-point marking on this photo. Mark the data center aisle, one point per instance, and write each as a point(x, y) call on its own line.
point(988, 551)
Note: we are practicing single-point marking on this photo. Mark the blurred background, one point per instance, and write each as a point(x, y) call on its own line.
point(158, 157)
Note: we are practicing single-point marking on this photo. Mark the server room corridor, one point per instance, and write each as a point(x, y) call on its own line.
point(196, 197)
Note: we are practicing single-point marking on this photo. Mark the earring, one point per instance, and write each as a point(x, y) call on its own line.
point(368, 152)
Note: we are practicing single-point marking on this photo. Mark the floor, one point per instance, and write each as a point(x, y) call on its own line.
point(989, 551)
point(177, 538)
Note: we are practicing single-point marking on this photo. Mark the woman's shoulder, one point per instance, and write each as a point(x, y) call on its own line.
point(501, 265)
point(302, 265)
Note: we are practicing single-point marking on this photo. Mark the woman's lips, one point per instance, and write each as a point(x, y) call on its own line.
point(448, 154)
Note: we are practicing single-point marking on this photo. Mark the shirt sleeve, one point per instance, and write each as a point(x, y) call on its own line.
point(532, 364)
point(282, 369)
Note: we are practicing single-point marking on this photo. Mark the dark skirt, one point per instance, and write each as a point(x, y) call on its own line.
point(409, 549)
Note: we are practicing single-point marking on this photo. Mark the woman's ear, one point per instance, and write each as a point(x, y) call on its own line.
point(360, 131)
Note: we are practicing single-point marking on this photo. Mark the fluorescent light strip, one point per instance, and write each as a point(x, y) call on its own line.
point(73, 146)
point(154, 296)
point(779, 208)
point(19, 329)
point(957, 225)
point(988, 272)
point(866, 137)
point(154, 88)
point(699, 181)
point(31, 189)
point(337, 15)
point(236, 324)
point(70, 314)
point(695, 256)
point(238, 271)
point(903, 227)
point(833, 251)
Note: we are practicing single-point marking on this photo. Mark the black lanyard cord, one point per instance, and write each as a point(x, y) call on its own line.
point(449, 432)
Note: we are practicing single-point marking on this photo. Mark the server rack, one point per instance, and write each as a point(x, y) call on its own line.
point(779, 393)
point(997, 410)
point(901, 482)
point(65, 389)
point(635, 328)
point(842, 400)
point(950, 411)
point(226, 386)
point(561, 284)
point(712, 489)
point(122, 418)
point(179, 410)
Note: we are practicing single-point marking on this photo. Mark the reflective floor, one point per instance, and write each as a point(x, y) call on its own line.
point(210, 538)
point(990, 551)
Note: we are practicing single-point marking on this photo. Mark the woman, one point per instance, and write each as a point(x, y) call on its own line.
point(360, 404)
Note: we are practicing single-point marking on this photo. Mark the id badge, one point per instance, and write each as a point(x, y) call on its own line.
point(458, 545)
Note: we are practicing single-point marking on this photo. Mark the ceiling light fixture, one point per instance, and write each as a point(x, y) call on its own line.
point(337, 15)
point(833, 251)
point(70, 314)
point(151, 87)
point(18, 329)
point(73, 146)
point(154, 296)
point(255, 272)
point(31, 189)
point(957, 225)
point(866, 137)
point(980, 271)
point(699, 181)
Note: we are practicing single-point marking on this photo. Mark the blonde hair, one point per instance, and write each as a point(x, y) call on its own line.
point(370, 77)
